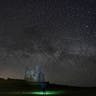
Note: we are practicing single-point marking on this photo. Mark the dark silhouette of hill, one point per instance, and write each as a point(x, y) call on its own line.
point(17, 87)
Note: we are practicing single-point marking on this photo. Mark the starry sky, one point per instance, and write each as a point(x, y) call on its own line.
point(60, 35)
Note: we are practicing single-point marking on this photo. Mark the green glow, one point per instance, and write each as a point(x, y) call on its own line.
point(47, 93)
point(39, 93)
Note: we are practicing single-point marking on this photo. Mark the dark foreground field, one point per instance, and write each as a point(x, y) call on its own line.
point(13, 87)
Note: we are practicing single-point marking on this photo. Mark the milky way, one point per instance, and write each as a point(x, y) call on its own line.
point(57, 34)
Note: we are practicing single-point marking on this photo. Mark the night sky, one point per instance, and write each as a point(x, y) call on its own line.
point(60, 35)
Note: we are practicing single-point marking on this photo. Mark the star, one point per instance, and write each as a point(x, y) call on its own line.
point(89, 12)
point(86, 26)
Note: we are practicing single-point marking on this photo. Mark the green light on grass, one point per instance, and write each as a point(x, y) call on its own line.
point(39, 93)
point(47, 93)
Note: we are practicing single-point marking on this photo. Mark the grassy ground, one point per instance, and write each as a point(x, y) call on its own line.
point(23, 88)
